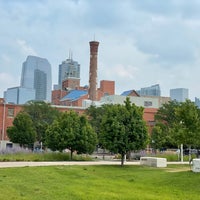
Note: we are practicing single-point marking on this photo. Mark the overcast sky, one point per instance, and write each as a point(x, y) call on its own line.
point(142, 42)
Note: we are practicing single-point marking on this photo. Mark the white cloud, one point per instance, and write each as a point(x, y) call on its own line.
point(25, 48)
point(5, 58)
point(7, 81)
point(141, 42)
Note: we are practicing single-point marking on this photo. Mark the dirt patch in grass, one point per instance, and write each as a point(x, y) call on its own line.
point(182, 169)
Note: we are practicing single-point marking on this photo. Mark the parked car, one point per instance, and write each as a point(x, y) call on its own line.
point(190, 151)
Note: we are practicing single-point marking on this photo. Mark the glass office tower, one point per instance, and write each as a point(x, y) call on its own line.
point(36, 74)
point(153, 90)
point(179, 94)
point(19, 95)
point(68, 69)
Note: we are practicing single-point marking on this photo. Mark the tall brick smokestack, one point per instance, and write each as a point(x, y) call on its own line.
point(93, 71)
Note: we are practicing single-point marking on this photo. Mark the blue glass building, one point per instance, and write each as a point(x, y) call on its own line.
point(36, 74)
point(153, 90)
point(19, 95)
point(179, 94)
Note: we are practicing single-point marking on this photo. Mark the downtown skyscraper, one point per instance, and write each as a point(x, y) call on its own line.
point(69, 70)
point(179, 94)
point(36, 74)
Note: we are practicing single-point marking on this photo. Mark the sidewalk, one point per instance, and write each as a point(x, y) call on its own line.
point(68, 163)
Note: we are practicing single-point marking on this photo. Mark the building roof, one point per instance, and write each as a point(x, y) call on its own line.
point(130, 93)
point(73, 95)
point(126, 93)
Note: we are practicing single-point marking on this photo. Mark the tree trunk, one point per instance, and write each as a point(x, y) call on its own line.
point(122, 159)
point(103, 154)
point(129, 155)
point(71, 154)
point(190, 156)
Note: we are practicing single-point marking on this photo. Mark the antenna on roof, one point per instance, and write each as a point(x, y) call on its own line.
point(94, 37)
point(70, 54)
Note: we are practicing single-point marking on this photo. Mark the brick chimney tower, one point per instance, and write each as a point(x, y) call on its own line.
point(93, 71)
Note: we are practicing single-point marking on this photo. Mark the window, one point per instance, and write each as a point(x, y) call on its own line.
point(147, 103)
point(151, 123)
point(10, 112)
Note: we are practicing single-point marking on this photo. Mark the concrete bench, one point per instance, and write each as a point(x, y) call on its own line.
point(153, 161)
point(196, 165)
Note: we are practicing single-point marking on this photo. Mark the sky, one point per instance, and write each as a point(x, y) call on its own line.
point(141, 42)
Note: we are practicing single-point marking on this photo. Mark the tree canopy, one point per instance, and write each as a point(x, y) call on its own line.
point(22, 131)
point(187, 128)
point(95, 116)
point(123, 128)
point(73, 132)
point(42, 115)
point(177, 123)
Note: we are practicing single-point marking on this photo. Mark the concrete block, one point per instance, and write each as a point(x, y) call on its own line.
point(196, 165)
point(153, 161)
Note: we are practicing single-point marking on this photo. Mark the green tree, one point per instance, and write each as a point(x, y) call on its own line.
point(22, 131)
point(166, 113)
point(157, 139)
point(162, 133)
point(187, 130)
point(95, 116)
point(177, 123)
point(86, 138)
point(123, 129)
point(73, 132)
point(42, 115)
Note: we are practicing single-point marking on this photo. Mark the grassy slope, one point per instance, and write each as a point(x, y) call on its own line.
point(99, 182)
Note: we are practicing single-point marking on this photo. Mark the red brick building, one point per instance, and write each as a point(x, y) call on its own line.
point(71, 83)
point(7, 114)
point(75, 96)
point(9, 111)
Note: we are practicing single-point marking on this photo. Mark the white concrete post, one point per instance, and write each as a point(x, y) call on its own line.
point(181, 152)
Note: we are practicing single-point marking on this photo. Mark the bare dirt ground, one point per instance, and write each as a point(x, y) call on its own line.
point(182, 169)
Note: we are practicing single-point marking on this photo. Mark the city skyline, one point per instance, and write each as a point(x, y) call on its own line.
point(35, 82)
point(142, 43)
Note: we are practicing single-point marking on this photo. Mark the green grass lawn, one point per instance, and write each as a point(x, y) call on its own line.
point(176, 182)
